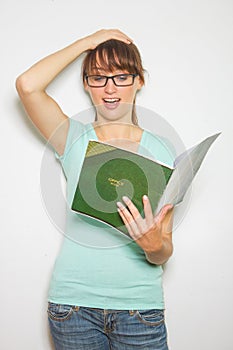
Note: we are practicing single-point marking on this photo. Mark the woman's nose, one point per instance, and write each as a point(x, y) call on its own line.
point(110, 87)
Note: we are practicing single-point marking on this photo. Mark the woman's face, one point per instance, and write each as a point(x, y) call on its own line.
point(113, 103)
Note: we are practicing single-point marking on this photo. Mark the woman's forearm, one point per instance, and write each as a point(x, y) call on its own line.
point(31, 86)
point(41, 74)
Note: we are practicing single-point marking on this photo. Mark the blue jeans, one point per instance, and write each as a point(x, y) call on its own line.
point(82, 328)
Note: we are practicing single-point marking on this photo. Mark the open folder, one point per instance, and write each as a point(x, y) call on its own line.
point(108, 173)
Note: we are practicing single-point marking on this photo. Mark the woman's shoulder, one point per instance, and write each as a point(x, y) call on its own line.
point(76, 136)
point(78, 131)
point(160, 147)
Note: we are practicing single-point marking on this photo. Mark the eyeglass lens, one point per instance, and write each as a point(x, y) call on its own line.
point(119, 80)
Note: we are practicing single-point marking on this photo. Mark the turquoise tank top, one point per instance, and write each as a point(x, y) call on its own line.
point(97, 266)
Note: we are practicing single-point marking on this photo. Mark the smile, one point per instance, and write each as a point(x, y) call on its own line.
point(111, 100)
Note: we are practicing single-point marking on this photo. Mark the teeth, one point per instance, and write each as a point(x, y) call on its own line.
point(111, 100)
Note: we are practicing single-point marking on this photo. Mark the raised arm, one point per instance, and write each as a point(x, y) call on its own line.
point(44, 112)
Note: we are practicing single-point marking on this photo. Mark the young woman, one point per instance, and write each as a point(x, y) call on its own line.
point(108, 298)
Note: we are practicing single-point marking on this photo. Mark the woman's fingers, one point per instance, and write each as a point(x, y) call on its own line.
point(119, 35)
point(133, 220)
point(107, 34)
point(125, 221)
point(141, 223)
point(128, 220)
point(134, 211)
point(149, 217)
point(162, 213)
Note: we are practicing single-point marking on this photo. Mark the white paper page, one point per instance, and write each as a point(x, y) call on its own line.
point(186, 167)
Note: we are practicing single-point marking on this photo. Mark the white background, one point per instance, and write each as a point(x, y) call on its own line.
point(187, 48)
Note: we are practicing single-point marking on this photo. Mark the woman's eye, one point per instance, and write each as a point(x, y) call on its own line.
point(98, 78)
point(122, 77)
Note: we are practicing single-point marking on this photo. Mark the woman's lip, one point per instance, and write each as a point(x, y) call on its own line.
point(111, 105)
point(111, 99)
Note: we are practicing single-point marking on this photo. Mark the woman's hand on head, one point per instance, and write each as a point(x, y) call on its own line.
point(106, 34)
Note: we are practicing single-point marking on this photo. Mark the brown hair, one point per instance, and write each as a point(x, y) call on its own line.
point(114, 54)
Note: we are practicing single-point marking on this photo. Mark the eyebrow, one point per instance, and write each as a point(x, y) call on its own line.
point(97, 68)
point(104, 72)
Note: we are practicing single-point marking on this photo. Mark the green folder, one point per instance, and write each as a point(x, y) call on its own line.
point(108, 173)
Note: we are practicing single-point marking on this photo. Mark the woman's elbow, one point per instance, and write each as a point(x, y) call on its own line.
point(23, 85)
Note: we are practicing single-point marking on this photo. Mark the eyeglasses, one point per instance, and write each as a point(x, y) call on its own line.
point(119, 80)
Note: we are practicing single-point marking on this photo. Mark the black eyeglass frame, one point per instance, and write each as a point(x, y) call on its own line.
point(111, 77)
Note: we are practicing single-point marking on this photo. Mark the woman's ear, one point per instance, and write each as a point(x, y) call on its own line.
point(85, 85)
point(140, 84)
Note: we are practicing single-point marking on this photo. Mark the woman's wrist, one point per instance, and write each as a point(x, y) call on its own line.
point(78, 47)
point(161, 254)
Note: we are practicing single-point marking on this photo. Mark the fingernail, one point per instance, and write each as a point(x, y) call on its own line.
point(120, 205)
point(145, 197)
point(125, 199)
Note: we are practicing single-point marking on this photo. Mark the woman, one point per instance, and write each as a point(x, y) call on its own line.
point(103, 298)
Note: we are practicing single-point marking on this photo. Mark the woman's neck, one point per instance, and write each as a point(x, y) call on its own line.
point(117, 131)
